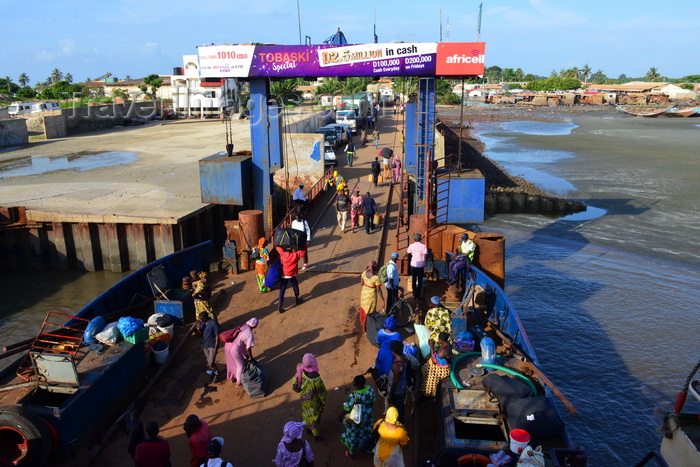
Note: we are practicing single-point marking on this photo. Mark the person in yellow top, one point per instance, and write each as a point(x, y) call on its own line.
point(337, 180)
point(392, 439)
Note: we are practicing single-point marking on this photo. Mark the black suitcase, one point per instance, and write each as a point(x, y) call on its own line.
point(291, 238)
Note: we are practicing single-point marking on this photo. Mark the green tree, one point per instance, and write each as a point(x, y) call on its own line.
point(8, 83)
point(692, 78)
point(25, 93)
point(653, 74)
point(330, 87)
point(127, 77)
point(68, 78)
point(599, 77)
point(23, 79)
point(285, 91)
point(154, 82)
point(61, 90)
point(406, 86)
point(121, 93)
point(355, 84)
point(55, 76)
point(519, 74)
point(688, 86)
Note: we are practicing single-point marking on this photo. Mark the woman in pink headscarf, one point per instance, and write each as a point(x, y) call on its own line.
point(396, 167)
point(240, 350)
point(292, 449)
point(308, 383)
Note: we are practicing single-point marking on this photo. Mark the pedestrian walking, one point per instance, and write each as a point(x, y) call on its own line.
point(350, 150)
point(369, 208)
point(292, 451)
point(348, 132)
point(396, 168)
point(356, 208)
point(154, 451)
point(308, 383)
point(240, 350)
point(342, 206)
point(290, 268)
point(210, 340)
point(371, 288)
point(392, 283)
point(213, 452)
point(375, 169)
point(299, 198)
point(134, 426)
point(337, 180)
point(301, 224)
point(262, 264)
point(397, 377)
point(387, 154)
point(392, 440)
point(417, 250)
point(375, 137)
point(355, 435)
point(197, 431)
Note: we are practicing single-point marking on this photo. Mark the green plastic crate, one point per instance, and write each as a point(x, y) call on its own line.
point(139, 336)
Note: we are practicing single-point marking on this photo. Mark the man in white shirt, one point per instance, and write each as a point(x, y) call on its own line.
point(417, 250)
point(299, 223)
point(392, 283)
point(299, 198)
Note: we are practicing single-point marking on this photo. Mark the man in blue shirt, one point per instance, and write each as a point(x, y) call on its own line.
point(392, 283)
point(210, 339)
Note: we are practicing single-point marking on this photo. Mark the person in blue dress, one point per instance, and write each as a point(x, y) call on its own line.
point(384, 338)
point(356, 435)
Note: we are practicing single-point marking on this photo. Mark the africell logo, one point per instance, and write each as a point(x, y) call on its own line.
point(460, 58)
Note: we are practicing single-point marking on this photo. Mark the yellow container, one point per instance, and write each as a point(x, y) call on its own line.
point(361, 220)
point(378, 219)
point(369, 178)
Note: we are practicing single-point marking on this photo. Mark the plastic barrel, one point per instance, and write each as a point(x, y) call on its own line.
point(378, 219)
point(160, 352)
point(519, 439)
point(361, 220)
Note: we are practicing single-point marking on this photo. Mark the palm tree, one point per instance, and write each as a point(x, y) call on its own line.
point(55, 76)
point(285, 91)
point(68, 78)
point(8, 80)
point(585, 72)
point(355, 84)
point(406, 86)
point(652, 74)
point(23, 79)
point(330, 86)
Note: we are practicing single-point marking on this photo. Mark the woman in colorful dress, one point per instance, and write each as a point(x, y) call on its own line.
point(396, 167)
point(291, 450)
point(308, 383)
point(261, 265)
point(240, 351)
point(438, 367)
point(392, 437)
point(355, 208)
point(371, 286)
point(356, 434)
point(201, 295)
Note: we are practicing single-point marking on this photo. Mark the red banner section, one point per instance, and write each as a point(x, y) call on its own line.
point(460, 58)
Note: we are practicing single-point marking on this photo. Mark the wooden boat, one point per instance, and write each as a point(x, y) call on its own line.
point(476, 421)
point(685, 111)
point(644, 110)
point(76, 390)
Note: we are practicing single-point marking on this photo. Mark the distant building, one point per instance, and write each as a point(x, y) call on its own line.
point(208, 97)
point(131, 86)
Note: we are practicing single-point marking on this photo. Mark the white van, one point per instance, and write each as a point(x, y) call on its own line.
point(44, 106)
point(347, 117)
point(21, 108)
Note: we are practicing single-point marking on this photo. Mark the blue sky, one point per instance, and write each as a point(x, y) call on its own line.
point(129, 37)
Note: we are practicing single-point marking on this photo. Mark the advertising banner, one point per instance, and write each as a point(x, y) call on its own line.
point(389, 59)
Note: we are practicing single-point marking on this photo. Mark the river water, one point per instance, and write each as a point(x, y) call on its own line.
point(609, 298)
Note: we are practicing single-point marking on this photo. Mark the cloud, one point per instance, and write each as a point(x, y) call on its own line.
point(44, 56)
point(67, 46)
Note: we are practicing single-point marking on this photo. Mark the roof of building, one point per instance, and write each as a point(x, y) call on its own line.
point(627, 87)
point(128, 82)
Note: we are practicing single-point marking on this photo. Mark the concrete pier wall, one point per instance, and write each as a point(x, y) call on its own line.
point(115, 247)
point(13, 132)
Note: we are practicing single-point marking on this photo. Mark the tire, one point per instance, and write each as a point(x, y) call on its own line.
point(24, 436)
point(402, 312)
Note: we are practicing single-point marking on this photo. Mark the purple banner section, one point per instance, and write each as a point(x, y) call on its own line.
point(349, 60)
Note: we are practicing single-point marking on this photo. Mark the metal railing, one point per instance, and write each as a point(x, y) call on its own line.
point(312, 196)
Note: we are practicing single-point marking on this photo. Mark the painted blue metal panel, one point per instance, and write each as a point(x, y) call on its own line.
point(466, 200)
point(410, 163)
point(225, 180)
point(274, 132)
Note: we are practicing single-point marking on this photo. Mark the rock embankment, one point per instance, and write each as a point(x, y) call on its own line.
point(505, 193)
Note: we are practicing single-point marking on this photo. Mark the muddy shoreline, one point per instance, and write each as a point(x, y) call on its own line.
point(472, 151)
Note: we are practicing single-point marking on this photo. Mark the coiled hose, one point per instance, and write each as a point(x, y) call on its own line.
point(518, 375)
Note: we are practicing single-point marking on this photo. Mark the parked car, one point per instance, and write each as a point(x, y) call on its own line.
point(342, 128)
point(330, 135)
point(328, 155)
